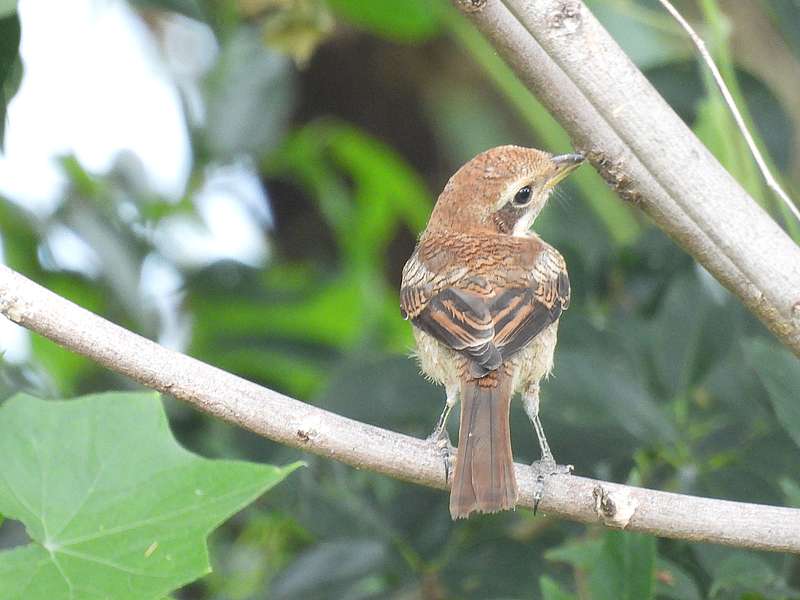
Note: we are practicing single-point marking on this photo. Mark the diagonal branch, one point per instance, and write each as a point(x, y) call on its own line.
point(300, 425)
point(644, 150)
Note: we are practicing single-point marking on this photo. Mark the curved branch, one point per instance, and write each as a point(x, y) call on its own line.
point(644, 150)
point(300, 425)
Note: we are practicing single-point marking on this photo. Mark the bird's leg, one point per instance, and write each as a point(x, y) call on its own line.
point(439, 435)
point(546, 465)
point(530, 400)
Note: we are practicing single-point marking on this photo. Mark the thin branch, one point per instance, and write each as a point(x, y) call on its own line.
point(645, 152)
point(300, 425)
point(726, 94)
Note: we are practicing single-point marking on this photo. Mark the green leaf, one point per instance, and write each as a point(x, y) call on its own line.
point(619, 397)
point(298, 28)
point(10, 66)
point(114, 506)
point(673, 582)
point(367, 194)
point(743, 574)
point(7, 7)
point(742, 571)
point(718, 131)
point(262, 547)
point(779, 371)
point(20, 239)
point(626, 567)
point(331, 569)
point(552, 591)
point(387, 192)
point(678, 332)
point(408, 21)
point(581, 555)
point(743, 165)
point(787, 18)
point(791, 490)
point(621, 566)
point(648, 35)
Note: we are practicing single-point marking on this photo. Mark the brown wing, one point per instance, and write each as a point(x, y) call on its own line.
point(485, 323)
point(461, 320)
point(520, 314)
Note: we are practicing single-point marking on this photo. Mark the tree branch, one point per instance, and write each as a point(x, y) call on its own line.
point(644, 150)
point(300, 425)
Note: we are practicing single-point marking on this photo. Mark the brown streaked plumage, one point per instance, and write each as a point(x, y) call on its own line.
point(485, 294)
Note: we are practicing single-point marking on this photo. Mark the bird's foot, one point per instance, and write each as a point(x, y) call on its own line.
point(441, 441)
point(543, 469)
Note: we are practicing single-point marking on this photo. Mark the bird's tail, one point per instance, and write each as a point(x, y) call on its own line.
point(484, 473)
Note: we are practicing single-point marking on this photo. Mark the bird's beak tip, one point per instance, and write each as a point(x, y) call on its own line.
point(564, 165)
point(568, 160)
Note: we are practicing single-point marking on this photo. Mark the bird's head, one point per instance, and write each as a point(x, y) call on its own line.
point(501, 190)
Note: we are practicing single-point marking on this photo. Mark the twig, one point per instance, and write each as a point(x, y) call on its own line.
point(644, 150)
point(726, 94)
point(300, 425)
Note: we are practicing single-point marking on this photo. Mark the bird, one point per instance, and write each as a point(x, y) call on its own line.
point(484, 294)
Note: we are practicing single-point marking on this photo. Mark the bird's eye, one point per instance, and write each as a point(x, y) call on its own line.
point(523, 196)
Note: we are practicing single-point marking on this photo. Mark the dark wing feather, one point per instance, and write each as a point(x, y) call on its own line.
point(521, 314)
point(461, 320)
point(564, 290)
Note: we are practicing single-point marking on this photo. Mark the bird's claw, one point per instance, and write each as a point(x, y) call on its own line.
point(545, 468)
point(548, 466)
point(441, 441)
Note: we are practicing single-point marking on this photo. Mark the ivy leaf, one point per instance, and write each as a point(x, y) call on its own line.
point(115, 508)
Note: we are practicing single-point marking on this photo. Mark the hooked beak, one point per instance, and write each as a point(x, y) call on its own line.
point(564, 164)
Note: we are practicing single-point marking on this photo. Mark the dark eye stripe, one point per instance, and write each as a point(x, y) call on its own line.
point(523, 196)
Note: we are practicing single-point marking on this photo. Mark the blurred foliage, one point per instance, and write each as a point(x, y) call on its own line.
point(10, 65)
point(352, 114)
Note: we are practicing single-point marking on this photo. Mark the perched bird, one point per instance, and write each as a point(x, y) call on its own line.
point(485, 294)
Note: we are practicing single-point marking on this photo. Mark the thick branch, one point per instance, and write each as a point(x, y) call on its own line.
point(300, 425)
point(643, 149)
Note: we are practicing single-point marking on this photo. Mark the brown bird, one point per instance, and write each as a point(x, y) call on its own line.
point(485, 294)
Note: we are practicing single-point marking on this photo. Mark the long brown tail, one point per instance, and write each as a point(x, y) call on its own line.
point(484, 477)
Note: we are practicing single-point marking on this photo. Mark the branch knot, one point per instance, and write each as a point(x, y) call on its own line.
point(614, 508)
